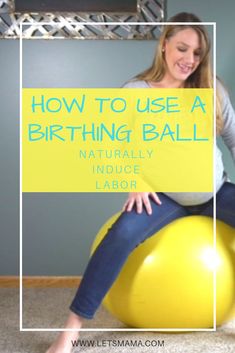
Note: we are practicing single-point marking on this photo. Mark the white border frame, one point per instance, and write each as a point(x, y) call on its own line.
point(214, 188)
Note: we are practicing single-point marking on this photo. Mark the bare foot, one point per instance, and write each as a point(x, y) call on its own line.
point(63, 343)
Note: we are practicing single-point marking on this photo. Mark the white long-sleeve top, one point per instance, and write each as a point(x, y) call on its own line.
point(228, 136)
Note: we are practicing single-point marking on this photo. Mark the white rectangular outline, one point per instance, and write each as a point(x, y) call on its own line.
point(213, 329)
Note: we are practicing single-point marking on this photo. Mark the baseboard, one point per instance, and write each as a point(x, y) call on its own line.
point(40, 281)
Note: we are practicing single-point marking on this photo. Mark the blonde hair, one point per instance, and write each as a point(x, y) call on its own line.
point(202, 76)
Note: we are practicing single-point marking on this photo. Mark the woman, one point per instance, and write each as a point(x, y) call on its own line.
point(181, 60)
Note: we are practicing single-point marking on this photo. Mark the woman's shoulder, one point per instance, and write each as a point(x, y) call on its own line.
point(135, 84)
point(221, 89)
point(224, 98)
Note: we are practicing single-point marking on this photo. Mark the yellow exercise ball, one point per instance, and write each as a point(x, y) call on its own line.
point(167, 281)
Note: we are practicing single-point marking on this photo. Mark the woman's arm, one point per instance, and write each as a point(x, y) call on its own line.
point(228, 131)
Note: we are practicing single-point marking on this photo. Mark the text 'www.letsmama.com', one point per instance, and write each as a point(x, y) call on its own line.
point(117, 343)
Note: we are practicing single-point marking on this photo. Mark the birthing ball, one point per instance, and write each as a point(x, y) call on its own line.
point(168, 281)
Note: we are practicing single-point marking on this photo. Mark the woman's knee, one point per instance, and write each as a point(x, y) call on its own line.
point(125, 233)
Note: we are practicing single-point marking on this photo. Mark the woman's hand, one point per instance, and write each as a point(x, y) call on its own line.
point(140, 199)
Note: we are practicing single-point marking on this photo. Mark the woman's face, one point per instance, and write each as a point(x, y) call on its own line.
point(182, 54)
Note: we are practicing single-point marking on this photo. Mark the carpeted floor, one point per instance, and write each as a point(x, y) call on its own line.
point(49, 307)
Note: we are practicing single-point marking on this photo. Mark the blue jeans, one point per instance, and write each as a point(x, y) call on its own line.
point(128, 232)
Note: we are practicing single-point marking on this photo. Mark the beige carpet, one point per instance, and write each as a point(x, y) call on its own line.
point(49, 308)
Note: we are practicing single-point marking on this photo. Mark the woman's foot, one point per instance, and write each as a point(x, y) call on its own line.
point(63, 343)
